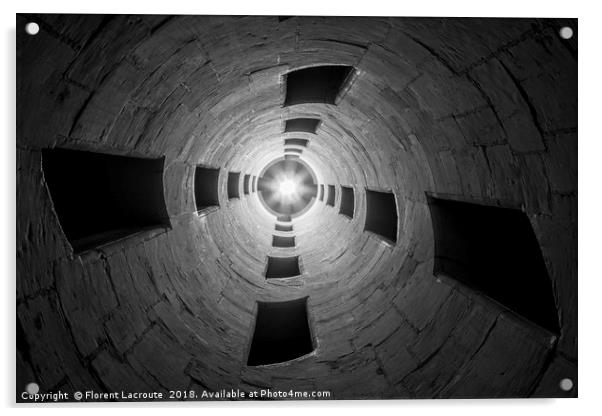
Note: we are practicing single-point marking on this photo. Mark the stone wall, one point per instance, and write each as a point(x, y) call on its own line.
point(473, 109)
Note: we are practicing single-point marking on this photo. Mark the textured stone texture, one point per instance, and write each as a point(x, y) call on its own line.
point(474, 109)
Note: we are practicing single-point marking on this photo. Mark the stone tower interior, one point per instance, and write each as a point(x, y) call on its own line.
point(432, 254)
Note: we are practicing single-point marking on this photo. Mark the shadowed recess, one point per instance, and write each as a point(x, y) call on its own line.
point(331, 195)
point(100, 198)
point(320, 84)
point(283, 227)
point(347, 201)
point(302, 125)
point(281, 241)
point(281, 332)
point(282, 267)
point(205, 187)
point(381, 214)
point(233, 185)
point(494, 251)
point(245, 185)
point(296, 142)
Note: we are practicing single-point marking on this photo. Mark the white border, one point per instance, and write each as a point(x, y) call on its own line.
point(590, 189)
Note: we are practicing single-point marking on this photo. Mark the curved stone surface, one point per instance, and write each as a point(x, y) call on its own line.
point(473, 109)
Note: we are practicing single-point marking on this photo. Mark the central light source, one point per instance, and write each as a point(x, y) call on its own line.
point(287, 187)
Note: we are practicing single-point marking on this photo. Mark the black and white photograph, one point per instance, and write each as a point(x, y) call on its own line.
point(263, 207)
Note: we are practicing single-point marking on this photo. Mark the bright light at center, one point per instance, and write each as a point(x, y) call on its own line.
point(287, 187)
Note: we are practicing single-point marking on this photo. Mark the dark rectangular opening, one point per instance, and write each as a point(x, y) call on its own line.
point(321, 192)
point(100, 198)
point(331, 196)
point(347, 201)
point(297, 142)
point(284, 218)
point(205, 187)
point(233, 185)
point(291, 156)
point(318, 84)
point(282, 267)
point(495, 251)
point(246, 180)
point(281, 227)
point(304, 125)
point(281, 332)
point(381, 214)
point(279, 241)
point(254, 184)
point(293, 150)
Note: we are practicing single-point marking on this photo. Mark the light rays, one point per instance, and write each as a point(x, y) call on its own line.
point(288, 187)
